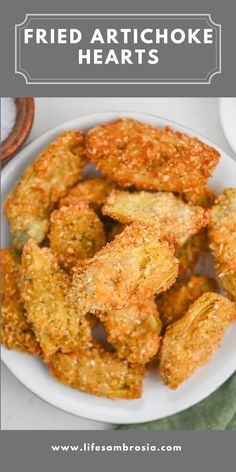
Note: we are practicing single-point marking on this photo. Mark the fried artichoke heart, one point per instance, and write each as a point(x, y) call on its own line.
point(43, 183)
point(135, 154)
point(190, 342)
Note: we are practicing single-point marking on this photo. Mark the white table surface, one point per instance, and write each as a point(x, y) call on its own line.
point(20, 408)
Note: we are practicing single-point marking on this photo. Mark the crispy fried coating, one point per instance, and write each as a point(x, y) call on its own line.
point(222, 235)
point(191, 341)
point(16, 332)
point(174, 219)
point(43, 183)
point(56, 323)
point(132, 153)
point(134, 331)
point(204, 198)
point(130, 269)
point(189, 253)
point(76, 233)
point(98, 372)
point(95, 191)
point(174, 303)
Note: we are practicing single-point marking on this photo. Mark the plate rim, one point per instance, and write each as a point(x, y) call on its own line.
point(110, 115)
point(223, 104)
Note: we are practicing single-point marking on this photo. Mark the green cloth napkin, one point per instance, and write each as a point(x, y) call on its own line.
point(216, 412)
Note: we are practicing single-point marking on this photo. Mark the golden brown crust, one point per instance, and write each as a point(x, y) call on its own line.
point(188, 254)
point(222, 235)
point(204, 197)
point(130, 269)
point(98, 372)
point(175, 220)
point(132, 153)
point(174, 303)
point(56, 323)
point(94, 191)
point(43, 183)
point(191, 341)
point(76, 233)
point(134, 331)
point(156, 230)
point(16, 332)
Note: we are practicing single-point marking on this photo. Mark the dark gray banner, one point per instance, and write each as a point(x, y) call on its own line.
point(176, 62)
point(120, 49)
point(118, 450)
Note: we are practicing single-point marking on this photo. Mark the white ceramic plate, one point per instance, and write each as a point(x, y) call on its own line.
point(157, 400)
point(228, 120)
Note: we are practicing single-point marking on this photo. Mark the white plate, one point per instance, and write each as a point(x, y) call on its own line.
point(157, 401)
point(228, 120)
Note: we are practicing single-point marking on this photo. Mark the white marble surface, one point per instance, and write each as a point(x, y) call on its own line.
point(20, 408)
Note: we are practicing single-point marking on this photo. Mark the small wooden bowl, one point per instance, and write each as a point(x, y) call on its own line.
point(22, 127)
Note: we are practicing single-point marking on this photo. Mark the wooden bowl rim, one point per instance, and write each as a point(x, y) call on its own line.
point(9, 147)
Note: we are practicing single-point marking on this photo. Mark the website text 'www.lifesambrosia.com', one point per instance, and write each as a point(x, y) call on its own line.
point(88, 447)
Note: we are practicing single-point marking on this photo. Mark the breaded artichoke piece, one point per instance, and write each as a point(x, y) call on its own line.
point(130, 269)
point(98, 372)
point(43, 183)
point(149, 158)
point(95, 191)
point(174, 303)
point(56, 323)
point(175, 220)
point(134, 331)
point(76, 233)
point(16, 332)
point(204, 198)
point(222, 235)
point(191, 341)
point(189, 253)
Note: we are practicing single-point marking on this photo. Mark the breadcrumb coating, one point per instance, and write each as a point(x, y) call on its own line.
point(42, 184)
point(94, 191)
point(174, 303)
point(76, 233)
point(134, 331)
point(16, 332)
point(188, 254)
point(130, 269)
point(117, 244)
point(98, 372)
point(222, 235)
point(56, 323)
point(204, 197)
point(190, 342)
point(132, 153)
point(174, 219)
